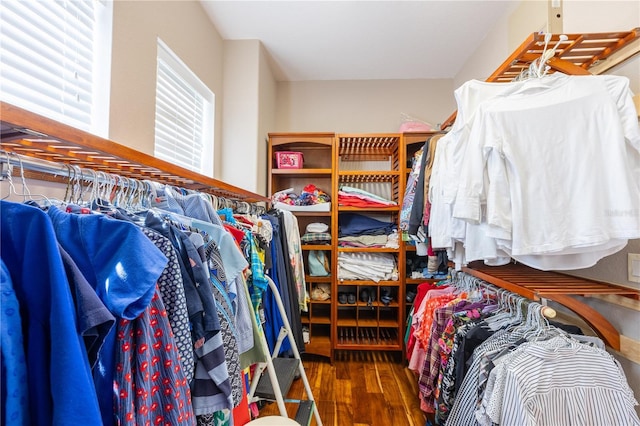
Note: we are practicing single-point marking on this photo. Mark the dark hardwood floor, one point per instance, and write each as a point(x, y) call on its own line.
point(359, 389)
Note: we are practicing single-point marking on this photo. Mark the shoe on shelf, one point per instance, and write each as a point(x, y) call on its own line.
point(351, 298)
point(321, 292)
point(342, 298)
point(385, 295)
point(364, 295)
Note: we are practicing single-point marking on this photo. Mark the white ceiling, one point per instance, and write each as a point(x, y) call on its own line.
point(357, 39)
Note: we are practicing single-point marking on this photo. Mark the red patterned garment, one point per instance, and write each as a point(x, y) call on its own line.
point(149, 385)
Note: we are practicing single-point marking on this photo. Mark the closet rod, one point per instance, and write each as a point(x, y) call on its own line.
point(49, 171)
point(55, 170)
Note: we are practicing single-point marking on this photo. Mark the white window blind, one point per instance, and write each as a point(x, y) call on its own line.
point(49, 52)
point(184, 119)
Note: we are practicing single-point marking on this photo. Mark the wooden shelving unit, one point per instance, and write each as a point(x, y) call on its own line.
point(374, 163)
point(318, 169)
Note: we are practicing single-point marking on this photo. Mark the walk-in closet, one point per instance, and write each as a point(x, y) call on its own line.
point(347, 213)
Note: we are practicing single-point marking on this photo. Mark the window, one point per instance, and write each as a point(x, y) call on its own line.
point(55, 60)
point(184, 115)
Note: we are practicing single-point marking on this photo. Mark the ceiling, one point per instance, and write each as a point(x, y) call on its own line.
point(360, 40)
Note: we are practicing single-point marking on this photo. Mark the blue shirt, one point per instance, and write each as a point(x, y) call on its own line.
point(122, 265)
point(13, 374)
point(61, 391)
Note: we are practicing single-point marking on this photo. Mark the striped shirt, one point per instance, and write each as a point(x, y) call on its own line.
point(560, 382)
point(462, 412)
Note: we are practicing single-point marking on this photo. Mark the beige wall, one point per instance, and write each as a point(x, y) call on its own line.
point(267, 90)
point(240, 120)
point(187, 30)
point(360, 106)
point(249, 114)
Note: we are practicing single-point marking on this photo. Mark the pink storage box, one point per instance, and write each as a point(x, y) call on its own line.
point(289, 160)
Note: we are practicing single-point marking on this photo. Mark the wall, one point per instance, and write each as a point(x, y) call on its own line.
point(249, 114)
point(240, 117)
point(267, 94)
point(186, 29)
point(360, 106)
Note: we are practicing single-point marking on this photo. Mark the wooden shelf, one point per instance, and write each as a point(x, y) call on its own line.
point(347, 322)
point(535, 285)
point(317, 279)
point(316, 247)
point(411, 138)
point(391, 209)
point(320, 302)
point(315, 214)
point(580, 54)
point(302, 172)
point(301, 139)
point(366, 250)
point(33, 135)
point(574, 56)
point(388, 323)
point(422, 280)
point(367, 283)
point(318, 345)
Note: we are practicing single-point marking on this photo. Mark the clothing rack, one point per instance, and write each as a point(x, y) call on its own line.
point(546, 311)
point(32, 135)
point(579, 54)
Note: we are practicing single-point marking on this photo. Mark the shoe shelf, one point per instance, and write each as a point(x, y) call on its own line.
point(373, 163)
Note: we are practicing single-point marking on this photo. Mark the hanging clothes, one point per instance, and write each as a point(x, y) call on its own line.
point(54, 351)
point(491, 158)
point(14, 364)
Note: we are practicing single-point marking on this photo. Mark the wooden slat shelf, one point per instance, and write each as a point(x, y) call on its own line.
point(576, 56)
point(33, 135)
point(360, 176)
point(301, 172)
point(558, 287)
